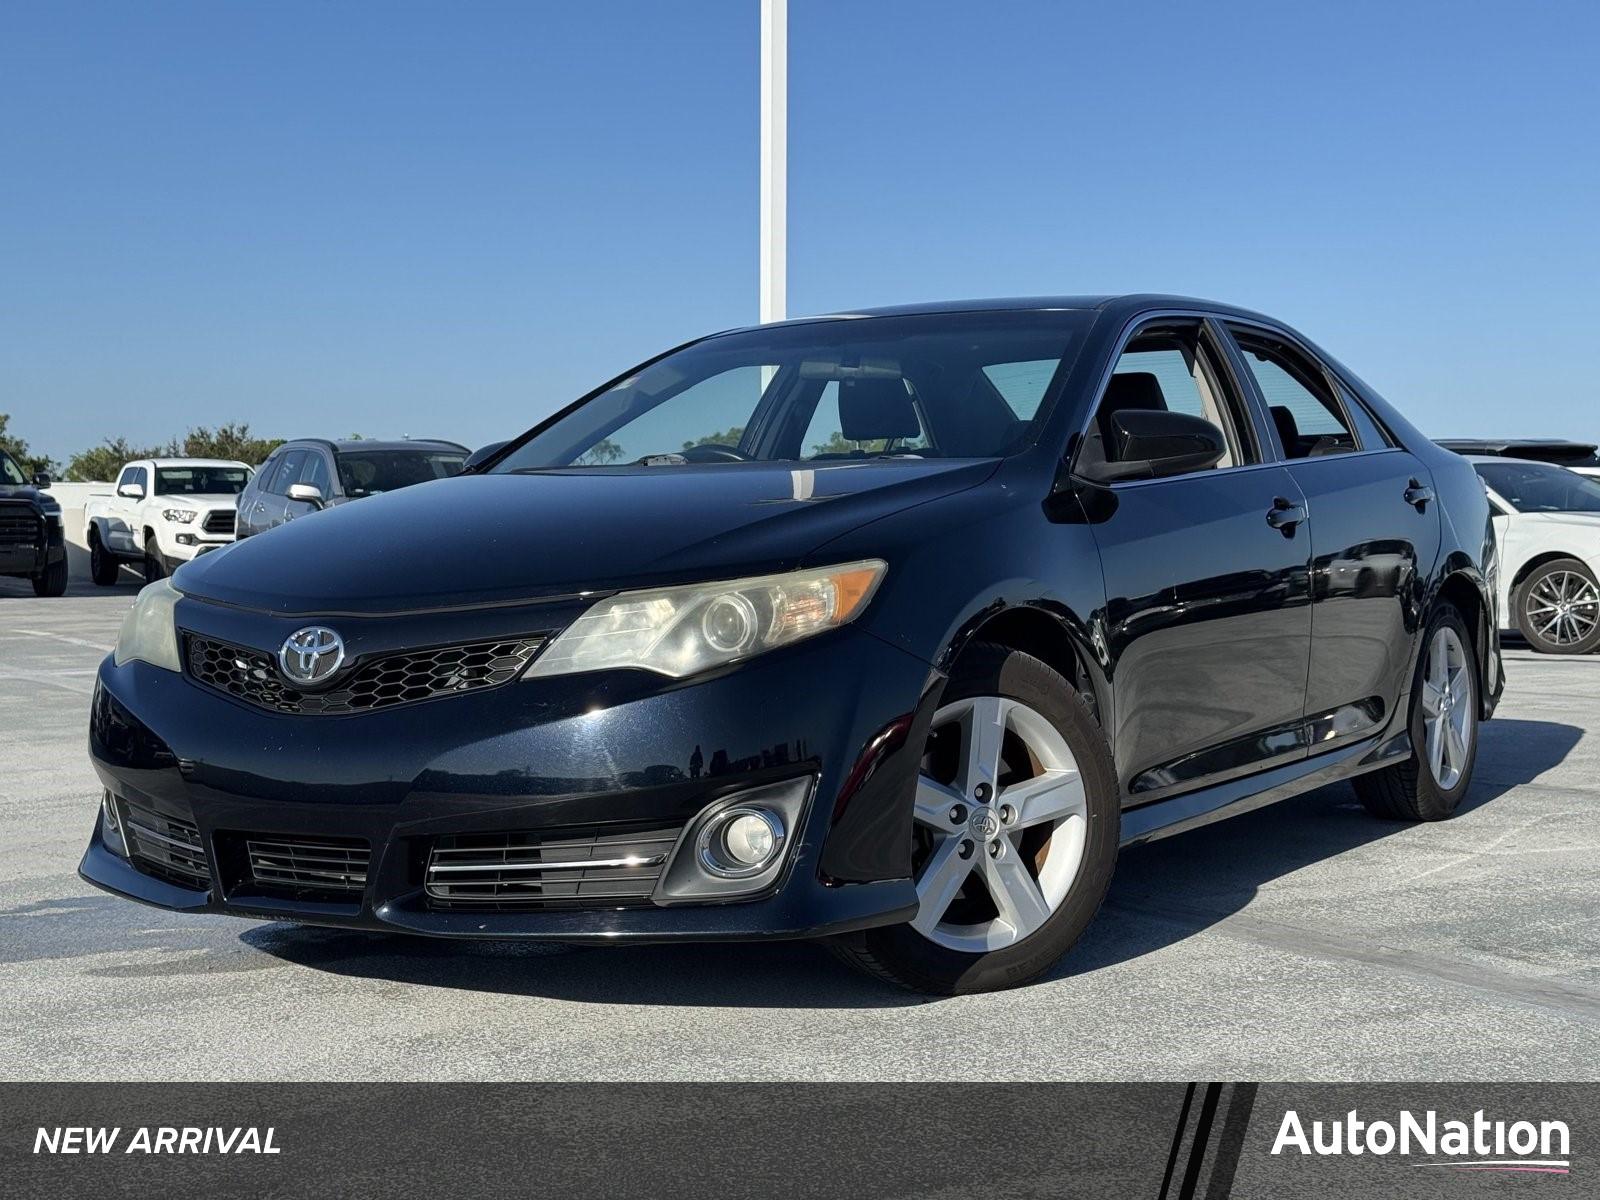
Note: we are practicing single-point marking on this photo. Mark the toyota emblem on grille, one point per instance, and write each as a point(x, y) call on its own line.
point(311, 655)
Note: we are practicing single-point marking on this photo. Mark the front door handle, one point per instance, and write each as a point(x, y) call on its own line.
point(1418, 494)
point(1285, 515)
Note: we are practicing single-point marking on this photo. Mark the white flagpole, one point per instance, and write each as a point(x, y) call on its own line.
point(774, 159)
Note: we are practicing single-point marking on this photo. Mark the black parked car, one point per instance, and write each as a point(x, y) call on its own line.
point(310, 474)
point(31, 543)
point(888, 629)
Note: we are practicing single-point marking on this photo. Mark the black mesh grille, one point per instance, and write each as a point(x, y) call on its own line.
point(403, 678)
point(308, 865)
point(220, 520)
point(18, 527)
point(167, 847)
point(558, 868)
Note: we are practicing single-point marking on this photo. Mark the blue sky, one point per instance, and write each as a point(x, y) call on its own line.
point(448, 219)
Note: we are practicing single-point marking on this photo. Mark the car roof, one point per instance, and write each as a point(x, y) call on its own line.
point(196, 462)
point(1492, 459)
point(385, 444)
point(1534, 448)
point(1130, 304)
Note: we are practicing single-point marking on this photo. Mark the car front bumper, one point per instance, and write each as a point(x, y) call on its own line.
point(539, 758)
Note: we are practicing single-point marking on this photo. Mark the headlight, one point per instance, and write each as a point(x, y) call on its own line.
point(149, 631)
point(681, 630)
point(181, 515)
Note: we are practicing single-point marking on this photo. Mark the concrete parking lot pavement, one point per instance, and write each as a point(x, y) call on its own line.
point(1303, 941)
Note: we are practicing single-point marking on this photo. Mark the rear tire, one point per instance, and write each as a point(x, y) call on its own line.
point(155, 567)
point(1444, 730)
point(103, 565)
point(1558, 608)
point(54, 580)
point(1040, 862)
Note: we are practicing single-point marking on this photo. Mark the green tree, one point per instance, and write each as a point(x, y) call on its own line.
point(728, 437)
point(598, 455)
point(18, 449)
point(100, 464)
point(232, 440)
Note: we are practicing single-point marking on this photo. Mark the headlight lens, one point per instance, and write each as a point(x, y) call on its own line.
point(683, 630)
point(149, 631)
point(180, 515)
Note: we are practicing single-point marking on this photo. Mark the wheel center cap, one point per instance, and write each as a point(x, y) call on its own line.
point(984, 823)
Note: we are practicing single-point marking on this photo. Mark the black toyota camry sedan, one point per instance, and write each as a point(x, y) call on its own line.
point(887, 628)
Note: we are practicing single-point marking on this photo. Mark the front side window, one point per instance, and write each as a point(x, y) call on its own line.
point(1309, 419)
point(883, 387)
point(10, 473)
point(201, 481)
point(1537, 487)
point(1169, 368)
point(368, 472)
point(289, 468)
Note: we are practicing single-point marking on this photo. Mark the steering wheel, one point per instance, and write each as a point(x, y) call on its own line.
point(709, 452)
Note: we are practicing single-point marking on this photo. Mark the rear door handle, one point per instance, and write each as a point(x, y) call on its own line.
point(1418, 494)
point(1285, 515)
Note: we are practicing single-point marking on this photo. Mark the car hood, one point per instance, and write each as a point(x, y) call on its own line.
point(1588, 522)
point(484, 539)
point(27, 491)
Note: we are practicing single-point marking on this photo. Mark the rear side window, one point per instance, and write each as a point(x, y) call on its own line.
point(1309, 419)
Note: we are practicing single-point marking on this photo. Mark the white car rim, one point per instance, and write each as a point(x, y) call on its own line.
point(1001, 818)
point(1563, 608)
point(1447, 708)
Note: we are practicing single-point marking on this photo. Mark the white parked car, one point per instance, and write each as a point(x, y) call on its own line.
point(163, 512)
point(1548, 521)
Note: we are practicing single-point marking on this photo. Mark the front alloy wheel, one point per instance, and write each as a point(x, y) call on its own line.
point(1558, 608)
point(1448, 708)
point(1014, 831)
point(1001, 816)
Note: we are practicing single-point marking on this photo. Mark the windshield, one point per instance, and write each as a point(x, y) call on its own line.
point(10, 473)
point(201, 481)
point(949, 385)
point(1536, 487)
point(368, 472)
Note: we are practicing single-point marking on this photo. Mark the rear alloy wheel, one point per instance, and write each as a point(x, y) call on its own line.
point(1558, 608)
point(1014, 832)
point(1444, 731)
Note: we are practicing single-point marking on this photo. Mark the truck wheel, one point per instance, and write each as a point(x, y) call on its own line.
point(54, 580)
point(103, 565)
point(155, 566)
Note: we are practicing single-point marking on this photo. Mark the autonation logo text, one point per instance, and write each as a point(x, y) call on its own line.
point(1480, 1144)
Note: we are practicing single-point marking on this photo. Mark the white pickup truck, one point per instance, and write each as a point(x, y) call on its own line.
point(163, 512)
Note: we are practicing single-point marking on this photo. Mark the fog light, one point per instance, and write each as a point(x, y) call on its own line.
point(111, 827)
point(187, 539)
point(741, 841)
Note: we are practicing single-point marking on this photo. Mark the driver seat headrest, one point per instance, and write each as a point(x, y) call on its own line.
point(876, 409)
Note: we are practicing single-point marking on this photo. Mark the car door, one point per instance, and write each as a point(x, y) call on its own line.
point(1374, 533)
point(122, 512)
point(275, 503)
point(250, 498)
point(1207, 623)
point(315, 470)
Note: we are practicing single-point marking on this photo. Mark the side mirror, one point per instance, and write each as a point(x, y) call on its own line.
point(309, 493)
point(132, 491)
point(41, 479)
point(1148, 444)
point(481, 455)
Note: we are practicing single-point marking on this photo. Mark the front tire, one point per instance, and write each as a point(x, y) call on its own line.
point(54, 580)
point(103, 565)
point(155, 567)
point(1016, 827)
point(1444, 730)
point(1558, 608)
